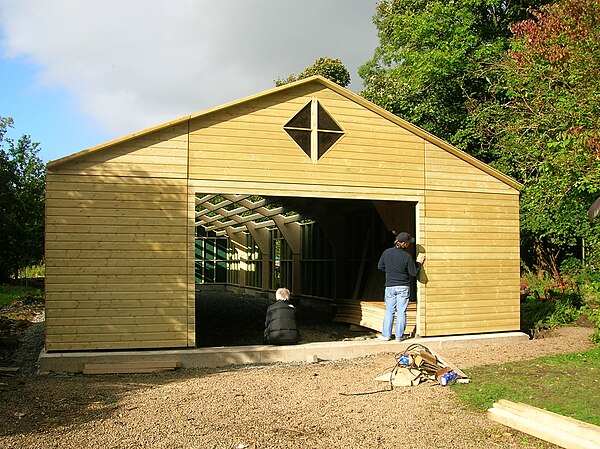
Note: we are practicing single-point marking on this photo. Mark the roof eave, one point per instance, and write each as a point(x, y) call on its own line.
point(424, 134)
point(70, 157)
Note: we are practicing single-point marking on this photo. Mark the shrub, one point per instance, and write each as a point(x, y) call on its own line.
point(547, 304)
point(593, 315)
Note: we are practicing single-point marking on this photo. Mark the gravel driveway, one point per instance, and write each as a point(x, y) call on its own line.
point(323, 405)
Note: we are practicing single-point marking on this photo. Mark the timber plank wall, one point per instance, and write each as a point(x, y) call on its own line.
point(120, 218)
point(471, 239)
point(117, 238)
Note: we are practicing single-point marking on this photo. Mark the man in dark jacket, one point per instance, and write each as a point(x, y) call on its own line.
point(398, 266)
point(281, 327)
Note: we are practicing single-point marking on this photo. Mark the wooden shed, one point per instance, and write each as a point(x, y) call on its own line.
point(301, 186)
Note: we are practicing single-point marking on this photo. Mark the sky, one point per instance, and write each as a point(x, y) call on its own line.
point(75, 74)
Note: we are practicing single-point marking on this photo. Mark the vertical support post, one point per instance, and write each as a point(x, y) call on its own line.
point(191, 266)
point(263, 240)
point(291, 232)
point(422, 279)
point(239, 243)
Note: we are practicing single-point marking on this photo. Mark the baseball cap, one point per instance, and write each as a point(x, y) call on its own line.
point(405, 237)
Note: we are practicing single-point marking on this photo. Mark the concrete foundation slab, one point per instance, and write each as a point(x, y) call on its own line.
point(263, 354)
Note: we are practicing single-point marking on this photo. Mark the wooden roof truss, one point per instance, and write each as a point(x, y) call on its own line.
point(218, 212)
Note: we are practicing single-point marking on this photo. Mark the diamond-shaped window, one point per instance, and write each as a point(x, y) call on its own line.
point(314, 130)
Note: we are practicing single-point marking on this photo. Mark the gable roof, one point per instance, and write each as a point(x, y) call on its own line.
point(330, 85)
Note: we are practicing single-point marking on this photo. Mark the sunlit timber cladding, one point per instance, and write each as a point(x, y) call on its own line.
point(301, 186)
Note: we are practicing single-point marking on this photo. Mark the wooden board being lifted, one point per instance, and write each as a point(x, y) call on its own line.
point(130, 367)
point(370, 314)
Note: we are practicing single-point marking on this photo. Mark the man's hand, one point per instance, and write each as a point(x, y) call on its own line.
point(421, 258)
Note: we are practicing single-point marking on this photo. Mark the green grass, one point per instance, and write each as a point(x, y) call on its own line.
point(33, 271)
point(568, 384)
point(10, 293)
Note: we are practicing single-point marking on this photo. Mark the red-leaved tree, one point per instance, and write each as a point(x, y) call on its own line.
point(544, 117)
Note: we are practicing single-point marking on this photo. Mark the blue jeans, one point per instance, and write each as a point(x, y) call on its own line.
point(396, 300)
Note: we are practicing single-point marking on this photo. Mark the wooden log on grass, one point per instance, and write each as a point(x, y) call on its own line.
point(557, 429)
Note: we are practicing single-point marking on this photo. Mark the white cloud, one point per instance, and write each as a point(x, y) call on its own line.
point(137, 63)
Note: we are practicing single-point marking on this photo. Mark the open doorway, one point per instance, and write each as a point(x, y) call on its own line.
point(324, 250)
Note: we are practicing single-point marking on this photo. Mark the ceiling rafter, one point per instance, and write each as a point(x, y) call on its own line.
point(222, 212)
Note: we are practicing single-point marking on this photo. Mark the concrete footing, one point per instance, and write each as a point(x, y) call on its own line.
point(262, 354)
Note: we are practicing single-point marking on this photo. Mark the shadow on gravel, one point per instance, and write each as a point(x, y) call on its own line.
point(41, 403)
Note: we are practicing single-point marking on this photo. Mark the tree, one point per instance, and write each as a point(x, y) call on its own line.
point(427, 68)
point(332, 69)
point(21, 203)
point(543, 114)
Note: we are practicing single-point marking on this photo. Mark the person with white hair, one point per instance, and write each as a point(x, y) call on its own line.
point(280, 324)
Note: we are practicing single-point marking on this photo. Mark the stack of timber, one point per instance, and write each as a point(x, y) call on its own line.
point(557, 429)
point(370, 314)
point(9, 370)
point(130, 367)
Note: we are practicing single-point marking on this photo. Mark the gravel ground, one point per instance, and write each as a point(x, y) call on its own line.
point(322, 405)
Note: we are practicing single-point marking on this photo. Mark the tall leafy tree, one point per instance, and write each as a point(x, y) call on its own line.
point(427, 68)
point(21, 203)
point(332, 69)
point(543, 115)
